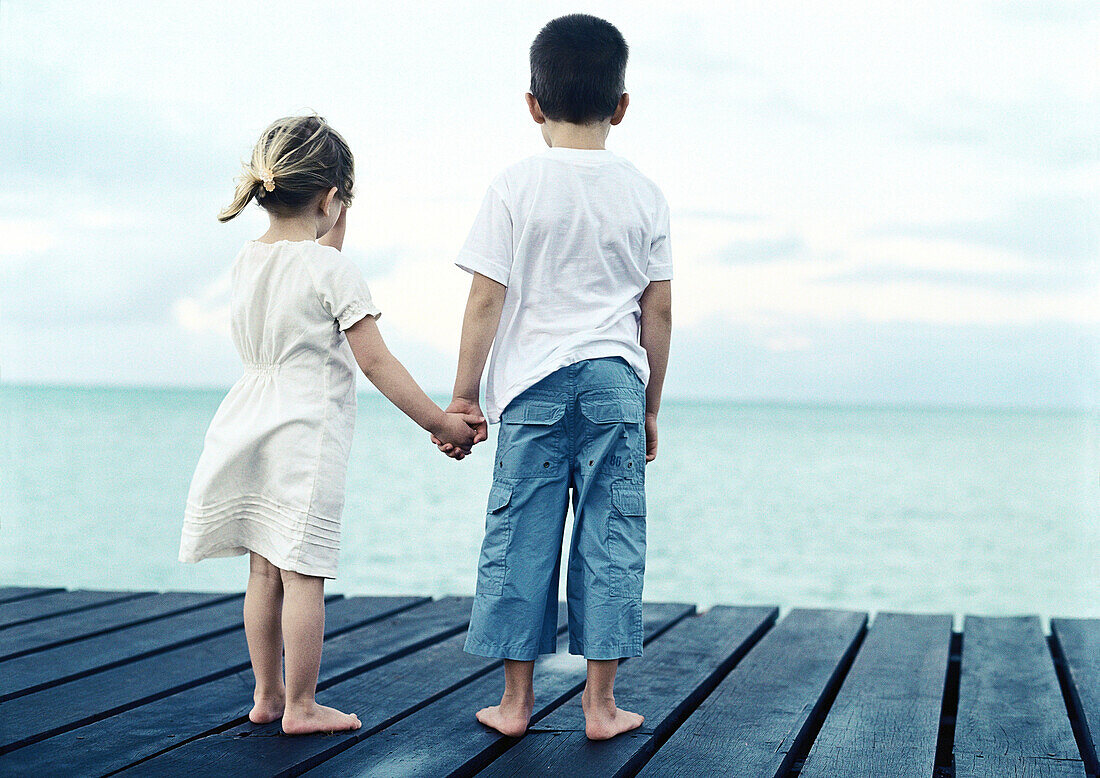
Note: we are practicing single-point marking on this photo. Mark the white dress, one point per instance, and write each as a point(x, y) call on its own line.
point(271, 475)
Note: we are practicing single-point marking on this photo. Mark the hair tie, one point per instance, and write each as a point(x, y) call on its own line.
point(268, 179)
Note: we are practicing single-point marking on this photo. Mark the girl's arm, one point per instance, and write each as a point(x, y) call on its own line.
point(392, 379)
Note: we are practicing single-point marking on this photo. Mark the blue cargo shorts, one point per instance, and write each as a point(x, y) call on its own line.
point(578, 434)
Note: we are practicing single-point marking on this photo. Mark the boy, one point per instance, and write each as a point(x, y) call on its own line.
point(571, 276)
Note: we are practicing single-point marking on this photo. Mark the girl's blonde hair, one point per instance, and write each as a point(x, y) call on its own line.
point(296, 158)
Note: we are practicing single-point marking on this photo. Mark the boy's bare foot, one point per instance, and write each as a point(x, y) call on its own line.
point(603, 720)
point(266, 709)
point(317, 718)
point(510, 717)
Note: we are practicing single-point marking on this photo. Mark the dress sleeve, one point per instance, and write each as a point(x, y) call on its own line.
point(488, 247)
point(342, 289)
point(660, 253)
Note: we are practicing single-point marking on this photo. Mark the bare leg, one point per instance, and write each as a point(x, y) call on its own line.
point(602, 719)
point(303, 633)
point(263, 605)
point(511, 716)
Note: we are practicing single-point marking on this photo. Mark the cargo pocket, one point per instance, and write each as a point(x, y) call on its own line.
point(533, 439)
point(494, 549)
point(626, 539)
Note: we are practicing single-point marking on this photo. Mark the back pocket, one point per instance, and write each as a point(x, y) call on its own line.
point(494, 548)
point(531, 440)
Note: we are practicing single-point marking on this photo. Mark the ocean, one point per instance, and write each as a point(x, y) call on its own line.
point(926, 510)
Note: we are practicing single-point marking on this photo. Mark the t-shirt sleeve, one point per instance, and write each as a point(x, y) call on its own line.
point(342, 289)
point(488, 247)
point(660, 252)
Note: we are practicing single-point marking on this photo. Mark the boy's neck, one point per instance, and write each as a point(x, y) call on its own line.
point(575, 136)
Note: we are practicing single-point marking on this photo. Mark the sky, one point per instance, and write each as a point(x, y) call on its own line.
point(872, 202)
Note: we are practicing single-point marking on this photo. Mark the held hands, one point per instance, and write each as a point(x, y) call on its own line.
point(468, 413)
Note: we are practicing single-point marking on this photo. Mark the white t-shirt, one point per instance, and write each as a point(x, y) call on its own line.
point(576, 235)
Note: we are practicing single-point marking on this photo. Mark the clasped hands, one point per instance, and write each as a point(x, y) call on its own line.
point(453, 440)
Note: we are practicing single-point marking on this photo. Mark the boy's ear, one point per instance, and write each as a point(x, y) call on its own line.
point(620, 109)
point(535, 109)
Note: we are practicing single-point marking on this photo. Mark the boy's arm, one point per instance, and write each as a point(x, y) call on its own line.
point(656, 332)
point(479, 327)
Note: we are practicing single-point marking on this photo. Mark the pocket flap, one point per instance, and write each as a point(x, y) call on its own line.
point(628, 499)
point(533, 412)
point(605, 410)
point(499, 496)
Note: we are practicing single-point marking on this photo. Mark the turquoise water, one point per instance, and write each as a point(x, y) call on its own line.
point(988, 512)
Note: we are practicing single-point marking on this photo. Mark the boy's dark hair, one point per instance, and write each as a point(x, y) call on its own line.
point(578, 69)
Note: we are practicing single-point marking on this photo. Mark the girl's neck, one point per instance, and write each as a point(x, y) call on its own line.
point(289, 228)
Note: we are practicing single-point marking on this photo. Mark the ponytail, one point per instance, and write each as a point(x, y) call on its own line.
point(296, 158)
point(247, 187)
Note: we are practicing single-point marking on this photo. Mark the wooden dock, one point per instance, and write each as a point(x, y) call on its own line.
point(140, 683)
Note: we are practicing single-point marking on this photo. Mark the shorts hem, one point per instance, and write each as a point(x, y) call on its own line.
point(521, 653)
point(609, 652)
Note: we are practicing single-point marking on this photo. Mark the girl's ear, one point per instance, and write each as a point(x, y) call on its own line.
point(326, 201)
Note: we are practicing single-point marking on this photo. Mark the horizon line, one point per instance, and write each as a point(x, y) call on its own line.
point(758, 402)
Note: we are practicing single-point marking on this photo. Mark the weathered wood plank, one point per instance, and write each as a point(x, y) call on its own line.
point(28, 673)
point(885, 719)
point(58, 603)
point(758, 717)
point(444, 737)
point(48, 633)
point(59, 708)
point(128, 737)
point(1012, 720)
point(12, 593)
point(664, 685)
point(379, 696)
point(1077, 642)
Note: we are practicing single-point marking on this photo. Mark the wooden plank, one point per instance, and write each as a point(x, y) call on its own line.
point(379, 696)
point(12, 593)
point(57, 709)
point(32, 672)
point(676, 672)
point(57, 604)
point(113, 743)
point(885, 719)
point(47, 633)
point(758, 718)
point(1012, 719)
point(1077, 643)
point(444, 736)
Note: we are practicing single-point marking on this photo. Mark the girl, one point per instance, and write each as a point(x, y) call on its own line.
point(270, 481)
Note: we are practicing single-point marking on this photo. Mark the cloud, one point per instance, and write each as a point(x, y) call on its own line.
point(208, 311)
point(763, 249)
point(872, 167)
point(1053, 229)
point(23, 237)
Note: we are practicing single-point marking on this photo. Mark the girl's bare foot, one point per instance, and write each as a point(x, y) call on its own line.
point(312, 718)
point(266, 709)
point(510, 717)
point(603, 720)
